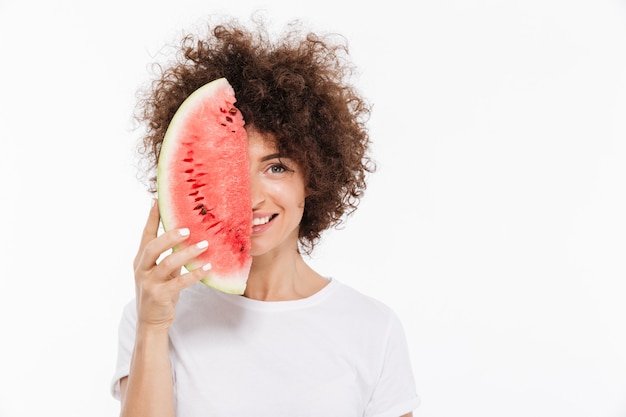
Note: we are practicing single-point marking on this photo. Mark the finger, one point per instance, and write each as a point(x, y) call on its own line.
point(151, 228)
point(170, 266)
point(189, 278)
point(150, 231)
point(156, 247)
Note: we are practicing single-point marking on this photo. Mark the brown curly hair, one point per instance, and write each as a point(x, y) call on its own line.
point(294, 88)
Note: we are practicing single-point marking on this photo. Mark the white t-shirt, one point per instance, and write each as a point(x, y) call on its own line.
point(337, 353)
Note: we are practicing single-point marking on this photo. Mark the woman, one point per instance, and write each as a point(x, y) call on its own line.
point(296, 343)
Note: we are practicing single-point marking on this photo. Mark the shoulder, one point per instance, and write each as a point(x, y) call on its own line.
point(357, 298)
point(364, 308)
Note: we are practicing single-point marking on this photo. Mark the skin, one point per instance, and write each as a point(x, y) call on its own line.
point(278, 273)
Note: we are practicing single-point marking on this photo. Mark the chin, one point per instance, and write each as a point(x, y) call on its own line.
point(265, 248)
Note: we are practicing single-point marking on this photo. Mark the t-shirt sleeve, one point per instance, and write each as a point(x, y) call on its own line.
point(395, 394)
point(126, 343)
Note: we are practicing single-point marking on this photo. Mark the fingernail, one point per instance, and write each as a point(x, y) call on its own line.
point(206, 267)
point(153, 202)
point(202, 245)
point(183, 232)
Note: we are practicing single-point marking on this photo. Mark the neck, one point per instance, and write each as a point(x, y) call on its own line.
point(282, 276)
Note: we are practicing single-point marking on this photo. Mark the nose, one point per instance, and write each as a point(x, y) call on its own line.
point(256, 191)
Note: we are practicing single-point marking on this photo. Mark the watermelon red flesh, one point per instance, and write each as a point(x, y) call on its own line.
point(203, 183)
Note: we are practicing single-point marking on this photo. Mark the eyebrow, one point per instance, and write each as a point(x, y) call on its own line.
point(270, 156)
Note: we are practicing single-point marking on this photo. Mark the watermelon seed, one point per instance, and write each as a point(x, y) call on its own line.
point(194, 193)
point(232, 110)
point(188, 160)
point(229, 119)
point(189, 171)
point(203, 209)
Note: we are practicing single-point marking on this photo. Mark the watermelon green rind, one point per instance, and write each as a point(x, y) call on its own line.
point(218, 148)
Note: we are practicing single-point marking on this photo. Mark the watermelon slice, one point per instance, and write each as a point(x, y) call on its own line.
point(203, 183)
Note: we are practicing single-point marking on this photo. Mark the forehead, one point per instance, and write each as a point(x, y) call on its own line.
point(261, 143)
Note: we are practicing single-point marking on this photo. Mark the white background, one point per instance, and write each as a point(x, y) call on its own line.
point(495, 225)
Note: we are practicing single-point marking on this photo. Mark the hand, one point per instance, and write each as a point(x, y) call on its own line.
point(158, 286)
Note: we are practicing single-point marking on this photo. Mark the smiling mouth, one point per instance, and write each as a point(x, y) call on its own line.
point(263, 220)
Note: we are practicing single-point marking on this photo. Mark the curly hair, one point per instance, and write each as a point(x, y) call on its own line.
point(294, 88)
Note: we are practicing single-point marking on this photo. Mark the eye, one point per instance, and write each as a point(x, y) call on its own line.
point(278, 169)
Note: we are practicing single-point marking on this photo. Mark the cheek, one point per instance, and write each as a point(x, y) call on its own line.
point(298, 201)
point(291, 193)
point(302, 202)
point(300, 196)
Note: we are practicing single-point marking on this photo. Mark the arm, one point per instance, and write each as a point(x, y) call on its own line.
point(148, 390)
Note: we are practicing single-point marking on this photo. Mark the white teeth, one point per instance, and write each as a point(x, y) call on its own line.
point(261, 220)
